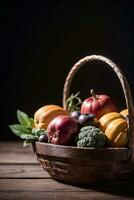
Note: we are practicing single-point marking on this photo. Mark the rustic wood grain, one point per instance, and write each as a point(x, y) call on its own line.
point(49, 185)
point(13, 146)
point(36, 184)
point(19, 157)
point(22, 171)
point(14, 152)
point(55, 195)
point(50, 189)
point(21, 177)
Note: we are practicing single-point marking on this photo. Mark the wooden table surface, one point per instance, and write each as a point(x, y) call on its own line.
point(21, 177)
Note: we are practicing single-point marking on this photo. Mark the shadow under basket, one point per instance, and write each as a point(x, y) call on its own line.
point(91, 166)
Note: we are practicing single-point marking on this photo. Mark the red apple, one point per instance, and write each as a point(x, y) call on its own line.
point(62, 129)
point(98, 105)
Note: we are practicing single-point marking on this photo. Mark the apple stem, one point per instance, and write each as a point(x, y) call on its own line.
point(93, 94)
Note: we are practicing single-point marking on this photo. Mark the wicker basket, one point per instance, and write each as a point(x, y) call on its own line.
point(90, 166)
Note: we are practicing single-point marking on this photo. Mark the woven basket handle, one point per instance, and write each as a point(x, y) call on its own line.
point(125, 87)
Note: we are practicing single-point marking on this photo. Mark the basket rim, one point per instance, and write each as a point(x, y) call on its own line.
point(73, 152)
point(82, 148)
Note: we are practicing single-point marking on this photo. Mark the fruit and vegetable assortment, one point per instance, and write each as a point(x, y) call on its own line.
point(95, 122)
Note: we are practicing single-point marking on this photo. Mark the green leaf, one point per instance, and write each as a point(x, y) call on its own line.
point(25, 129)
point(37, 131)
point(73, 102)
point(27, 136)
point(23, 119)
point(31, 121)
point(17, 129)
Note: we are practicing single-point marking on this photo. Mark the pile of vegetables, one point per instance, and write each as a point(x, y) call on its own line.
point(95, 122)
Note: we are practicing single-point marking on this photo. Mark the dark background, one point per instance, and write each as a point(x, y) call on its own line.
point(41, 42)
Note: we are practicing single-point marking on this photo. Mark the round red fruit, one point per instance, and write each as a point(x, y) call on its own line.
point(98, 105)
point(62, 129)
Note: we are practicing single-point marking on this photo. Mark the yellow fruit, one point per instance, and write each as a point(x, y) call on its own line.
point(45, 114)
point(115, 127)
point(124, 112)
point(121, 139)
point(107, 118)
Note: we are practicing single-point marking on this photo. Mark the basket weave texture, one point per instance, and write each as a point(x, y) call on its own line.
point(91, 166)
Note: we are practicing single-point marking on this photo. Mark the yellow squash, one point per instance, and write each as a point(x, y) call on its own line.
point(114, 125)
point(45, 114)
point(107, 118)
point(124, 112)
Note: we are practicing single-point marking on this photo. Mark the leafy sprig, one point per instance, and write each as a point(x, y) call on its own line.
point(25, 128)
point(73, 102)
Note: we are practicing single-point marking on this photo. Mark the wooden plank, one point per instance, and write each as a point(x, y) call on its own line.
point(49, 185)
point(49, 189)
point(18, 157)
point(22, 171)
point(6, 146)
point(33, 195)
point(35, 185)
point(14, 152)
